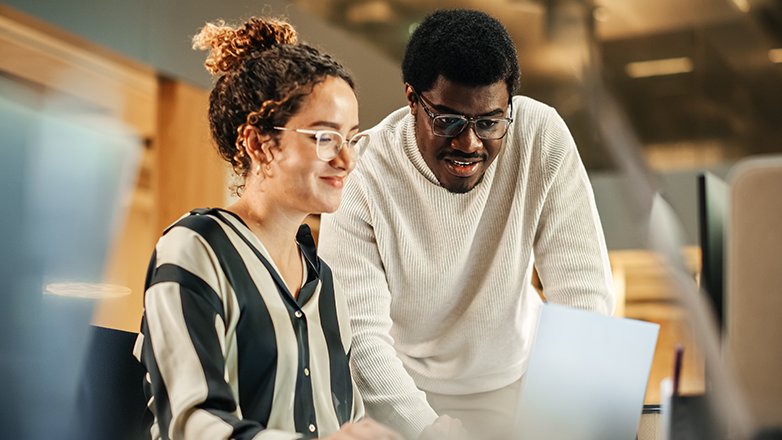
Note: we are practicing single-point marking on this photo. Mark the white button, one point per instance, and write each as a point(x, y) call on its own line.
point(297, 313)
point(306, 371)
point(312, 427)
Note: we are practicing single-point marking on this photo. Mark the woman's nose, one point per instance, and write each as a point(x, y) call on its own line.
point(345, 160)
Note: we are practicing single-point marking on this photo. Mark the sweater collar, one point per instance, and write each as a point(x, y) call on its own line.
point(412, 151)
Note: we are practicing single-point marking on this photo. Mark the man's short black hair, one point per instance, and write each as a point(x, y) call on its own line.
point(464, 46)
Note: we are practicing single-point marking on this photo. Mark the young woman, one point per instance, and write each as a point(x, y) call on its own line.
point(245, 332)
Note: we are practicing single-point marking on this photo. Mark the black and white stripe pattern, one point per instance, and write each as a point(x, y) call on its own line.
point(228, 351)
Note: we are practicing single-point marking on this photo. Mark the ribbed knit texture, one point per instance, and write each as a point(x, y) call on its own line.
point(439, 284)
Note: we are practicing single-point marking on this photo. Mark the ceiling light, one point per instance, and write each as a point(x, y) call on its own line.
point(601, 13)
point(775, 55)
point(667, 66)
point(743, 5)
point(532, 6)
point(370, 12)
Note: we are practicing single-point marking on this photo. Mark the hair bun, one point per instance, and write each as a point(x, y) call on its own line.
point(229, 46)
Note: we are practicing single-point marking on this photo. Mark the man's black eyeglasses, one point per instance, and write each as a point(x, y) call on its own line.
point(452, 125)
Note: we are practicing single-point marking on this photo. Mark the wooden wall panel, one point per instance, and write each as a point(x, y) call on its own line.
point(190, 174)
point(34, 51)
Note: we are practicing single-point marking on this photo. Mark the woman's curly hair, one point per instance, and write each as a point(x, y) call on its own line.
point(263, 76)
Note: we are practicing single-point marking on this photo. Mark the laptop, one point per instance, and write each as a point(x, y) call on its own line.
point(586, 378)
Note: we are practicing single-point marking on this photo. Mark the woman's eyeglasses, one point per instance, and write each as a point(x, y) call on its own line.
point(452, 125)
point(329, 143)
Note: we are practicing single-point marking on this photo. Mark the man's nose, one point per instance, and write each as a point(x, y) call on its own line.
point(467, 141)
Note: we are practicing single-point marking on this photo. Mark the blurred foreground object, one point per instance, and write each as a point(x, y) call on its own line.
point(753, 327)
point(66, 170)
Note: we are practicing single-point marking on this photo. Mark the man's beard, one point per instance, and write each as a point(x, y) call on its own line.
point(465, 187)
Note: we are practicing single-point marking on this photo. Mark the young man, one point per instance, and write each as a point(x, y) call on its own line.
point(455, 199)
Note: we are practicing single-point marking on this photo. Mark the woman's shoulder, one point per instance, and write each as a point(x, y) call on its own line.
point(203, 220)
point(197, 229)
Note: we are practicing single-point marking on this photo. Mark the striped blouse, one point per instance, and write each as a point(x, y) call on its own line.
point(229, 353)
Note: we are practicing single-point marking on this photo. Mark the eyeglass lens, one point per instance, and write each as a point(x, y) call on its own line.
point(330, 144)
point(452, 125)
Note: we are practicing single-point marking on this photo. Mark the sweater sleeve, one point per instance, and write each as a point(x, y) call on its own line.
point(348, 245)
point(181, 347)
point(570, 251)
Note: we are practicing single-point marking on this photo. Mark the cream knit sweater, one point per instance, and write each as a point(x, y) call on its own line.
point(438, 284)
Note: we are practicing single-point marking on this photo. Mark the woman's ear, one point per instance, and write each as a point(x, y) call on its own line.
point(258, 145)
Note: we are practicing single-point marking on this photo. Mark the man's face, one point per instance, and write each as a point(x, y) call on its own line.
point(460, 162)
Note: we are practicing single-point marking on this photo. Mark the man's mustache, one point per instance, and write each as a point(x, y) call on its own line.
point(456, 154)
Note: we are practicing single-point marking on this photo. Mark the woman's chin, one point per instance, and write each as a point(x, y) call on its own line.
point(329, 210)
point(328, 205)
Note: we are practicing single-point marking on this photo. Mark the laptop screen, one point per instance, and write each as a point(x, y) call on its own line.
point(586, 378)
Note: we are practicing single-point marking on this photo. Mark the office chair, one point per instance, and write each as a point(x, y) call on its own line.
point(110, 399)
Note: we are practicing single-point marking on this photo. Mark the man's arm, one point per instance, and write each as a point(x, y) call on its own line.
point(347, 243)
point(570, 251)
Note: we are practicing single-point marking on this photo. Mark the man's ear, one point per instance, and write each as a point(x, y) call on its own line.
point(412, 97)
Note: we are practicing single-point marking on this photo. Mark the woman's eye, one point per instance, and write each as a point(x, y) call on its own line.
point(326, 138)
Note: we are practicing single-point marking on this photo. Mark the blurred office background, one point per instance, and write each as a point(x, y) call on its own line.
point(105, 140)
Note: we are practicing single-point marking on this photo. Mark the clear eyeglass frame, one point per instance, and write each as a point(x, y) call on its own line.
point(329, 143)
point(452, 125)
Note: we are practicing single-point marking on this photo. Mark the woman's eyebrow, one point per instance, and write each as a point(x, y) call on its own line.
point(329, 124)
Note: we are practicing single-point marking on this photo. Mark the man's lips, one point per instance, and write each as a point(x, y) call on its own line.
point(462, 166)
